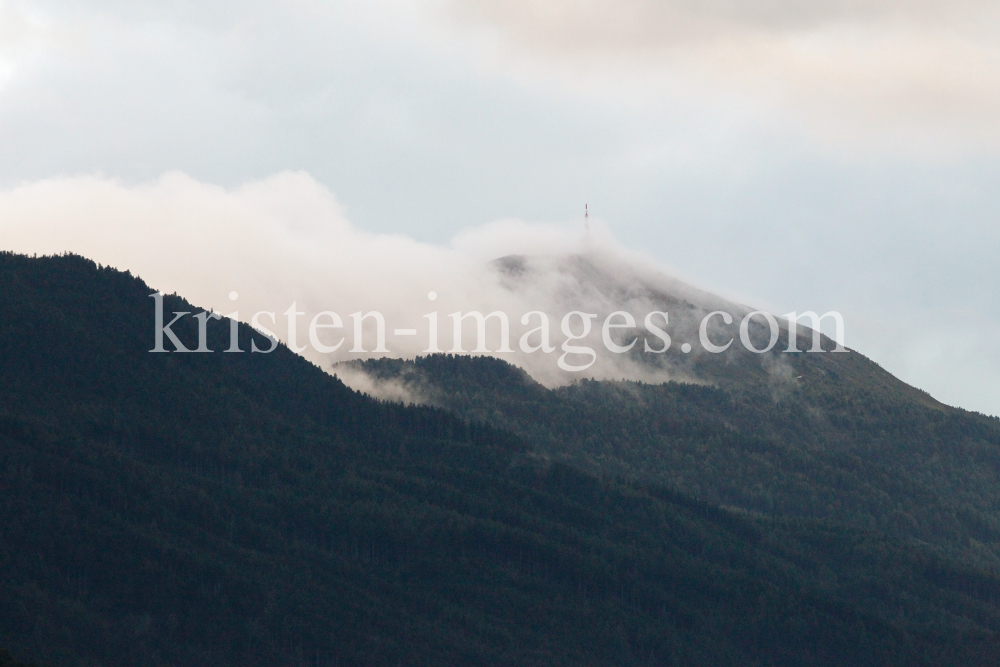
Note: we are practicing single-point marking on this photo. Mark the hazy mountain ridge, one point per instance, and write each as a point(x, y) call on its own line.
point(231, 509)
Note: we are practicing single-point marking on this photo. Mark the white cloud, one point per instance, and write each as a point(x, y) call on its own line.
point(285, 239)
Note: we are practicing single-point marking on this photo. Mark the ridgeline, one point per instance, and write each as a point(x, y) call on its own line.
point(249, 509)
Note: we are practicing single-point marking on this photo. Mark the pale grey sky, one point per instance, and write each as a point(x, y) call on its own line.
point(795, 155)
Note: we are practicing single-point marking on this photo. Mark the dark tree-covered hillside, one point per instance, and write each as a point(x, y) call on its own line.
point(824, 443)
point(248, 509)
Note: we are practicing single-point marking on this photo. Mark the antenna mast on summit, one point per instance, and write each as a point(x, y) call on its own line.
point(586, 227)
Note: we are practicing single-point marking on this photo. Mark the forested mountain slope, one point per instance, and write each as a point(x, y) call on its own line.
point(248, 509)
point(832, 436)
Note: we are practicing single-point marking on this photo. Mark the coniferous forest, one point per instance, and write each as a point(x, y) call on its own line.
point(250, 509)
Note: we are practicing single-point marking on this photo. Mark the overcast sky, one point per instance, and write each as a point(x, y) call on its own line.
point(793, 154)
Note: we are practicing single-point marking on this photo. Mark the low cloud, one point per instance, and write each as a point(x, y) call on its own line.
point(355, 377)
point(285, 240)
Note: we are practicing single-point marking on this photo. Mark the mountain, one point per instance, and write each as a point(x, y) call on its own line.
point(833, 436)
point(249, 509)
point(821, 434)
